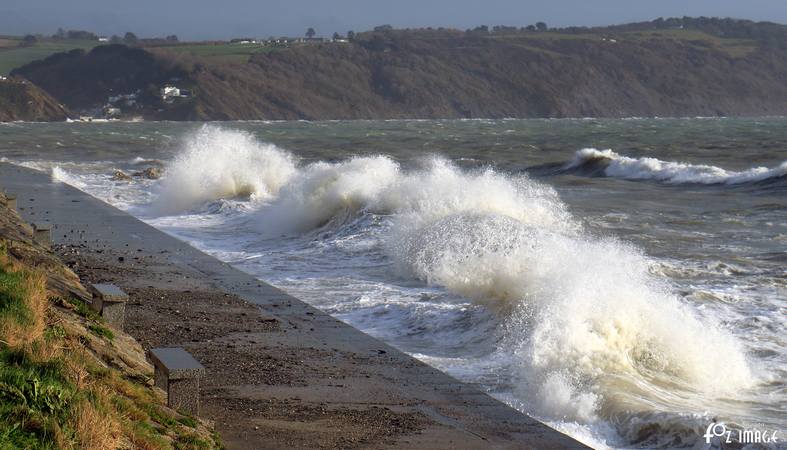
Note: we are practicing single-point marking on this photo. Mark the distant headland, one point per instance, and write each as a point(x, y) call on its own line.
point(666, 67)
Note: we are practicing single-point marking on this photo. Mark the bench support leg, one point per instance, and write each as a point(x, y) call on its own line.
point(183, 395)
point(160, 378)
point(114, 314)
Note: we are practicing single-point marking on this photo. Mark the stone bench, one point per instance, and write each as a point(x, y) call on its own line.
point(178, 374)
point(110, 302)
point(10, 201)
point(42, 233)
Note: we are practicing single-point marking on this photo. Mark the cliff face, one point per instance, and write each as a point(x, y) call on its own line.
point(636, 70)
point(22, 100)
point(472, 77)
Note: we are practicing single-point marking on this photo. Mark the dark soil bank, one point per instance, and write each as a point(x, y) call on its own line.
point(21, 100)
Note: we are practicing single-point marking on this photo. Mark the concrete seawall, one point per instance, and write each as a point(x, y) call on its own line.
point(372, 374)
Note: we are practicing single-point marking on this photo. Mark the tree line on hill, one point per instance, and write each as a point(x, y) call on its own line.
point(766, 32)
point(129, 38)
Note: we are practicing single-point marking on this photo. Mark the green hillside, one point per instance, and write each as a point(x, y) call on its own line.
point(12, 55)
point(218, 51)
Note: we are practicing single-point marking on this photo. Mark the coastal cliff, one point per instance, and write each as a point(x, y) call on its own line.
point(677, 67)
point(21, 100)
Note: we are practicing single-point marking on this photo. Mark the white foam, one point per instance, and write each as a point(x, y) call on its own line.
point(577, 305)
point(560, 399)
point(672, 172)
point(321, 191)
point(324, 191)
point(59, 174)
point(218, 163)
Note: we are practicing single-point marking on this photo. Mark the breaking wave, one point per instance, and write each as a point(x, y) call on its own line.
point(593, 162)
point(596, 336)
point(217, 163)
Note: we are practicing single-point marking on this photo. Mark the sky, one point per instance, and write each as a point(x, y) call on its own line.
point(210, 19)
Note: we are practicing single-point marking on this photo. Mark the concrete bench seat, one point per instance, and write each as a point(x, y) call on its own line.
point(42, 233)
point(178, 374)
point(110, 302)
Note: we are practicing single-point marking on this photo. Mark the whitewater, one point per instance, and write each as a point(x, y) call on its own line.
point(614, 165)
point(593, 316)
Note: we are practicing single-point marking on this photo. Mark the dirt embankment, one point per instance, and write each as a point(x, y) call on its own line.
point(21, 100)
point(67, 379)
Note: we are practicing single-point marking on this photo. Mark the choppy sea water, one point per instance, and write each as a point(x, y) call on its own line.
point(624, 281)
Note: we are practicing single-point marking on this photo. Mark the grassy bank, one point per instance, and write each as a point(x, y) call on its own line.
point(59, 388)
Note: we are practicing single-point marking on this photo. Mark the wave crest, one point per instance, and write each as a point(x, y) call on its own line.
point(218, 163)
point(322, 191)
point(590, 161)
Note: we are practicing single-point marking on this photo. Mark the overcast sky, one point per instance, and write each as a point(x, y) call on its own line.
point(210, 19)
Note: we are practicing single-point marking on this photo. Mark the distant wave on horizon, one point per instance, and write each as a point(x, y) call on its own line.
point(607, 163)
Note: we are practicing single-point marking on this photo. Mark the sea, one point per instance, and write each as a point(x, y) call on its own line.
point(623, 281)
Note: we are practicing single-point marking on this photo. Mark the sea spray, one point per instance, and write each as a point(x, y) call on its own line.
point(218, 163)
point(718, 249)
point(322, 191)
point(59, 174)
point(581, 310)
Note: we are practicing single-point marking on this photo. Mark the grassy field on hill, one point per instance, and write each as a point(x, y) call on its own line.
point(219, 51)
point(13, 56)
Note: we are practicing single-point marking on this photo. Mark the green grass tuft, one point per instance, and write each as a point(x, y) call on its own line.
point(188, 421)
point(191, 442)
point(12, 295)
point(158, 415)
point(99, 330)
point(84, 310)
point(34, 398)
point(54, 333)
point(148, 436)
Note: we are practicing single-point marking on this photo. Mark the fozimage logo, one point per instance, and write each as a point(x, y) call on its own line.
point(744, 436)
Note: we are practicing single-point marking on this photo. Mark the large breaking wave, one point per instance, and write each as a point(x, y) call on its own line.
point(595, 335)
point(217, 163)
